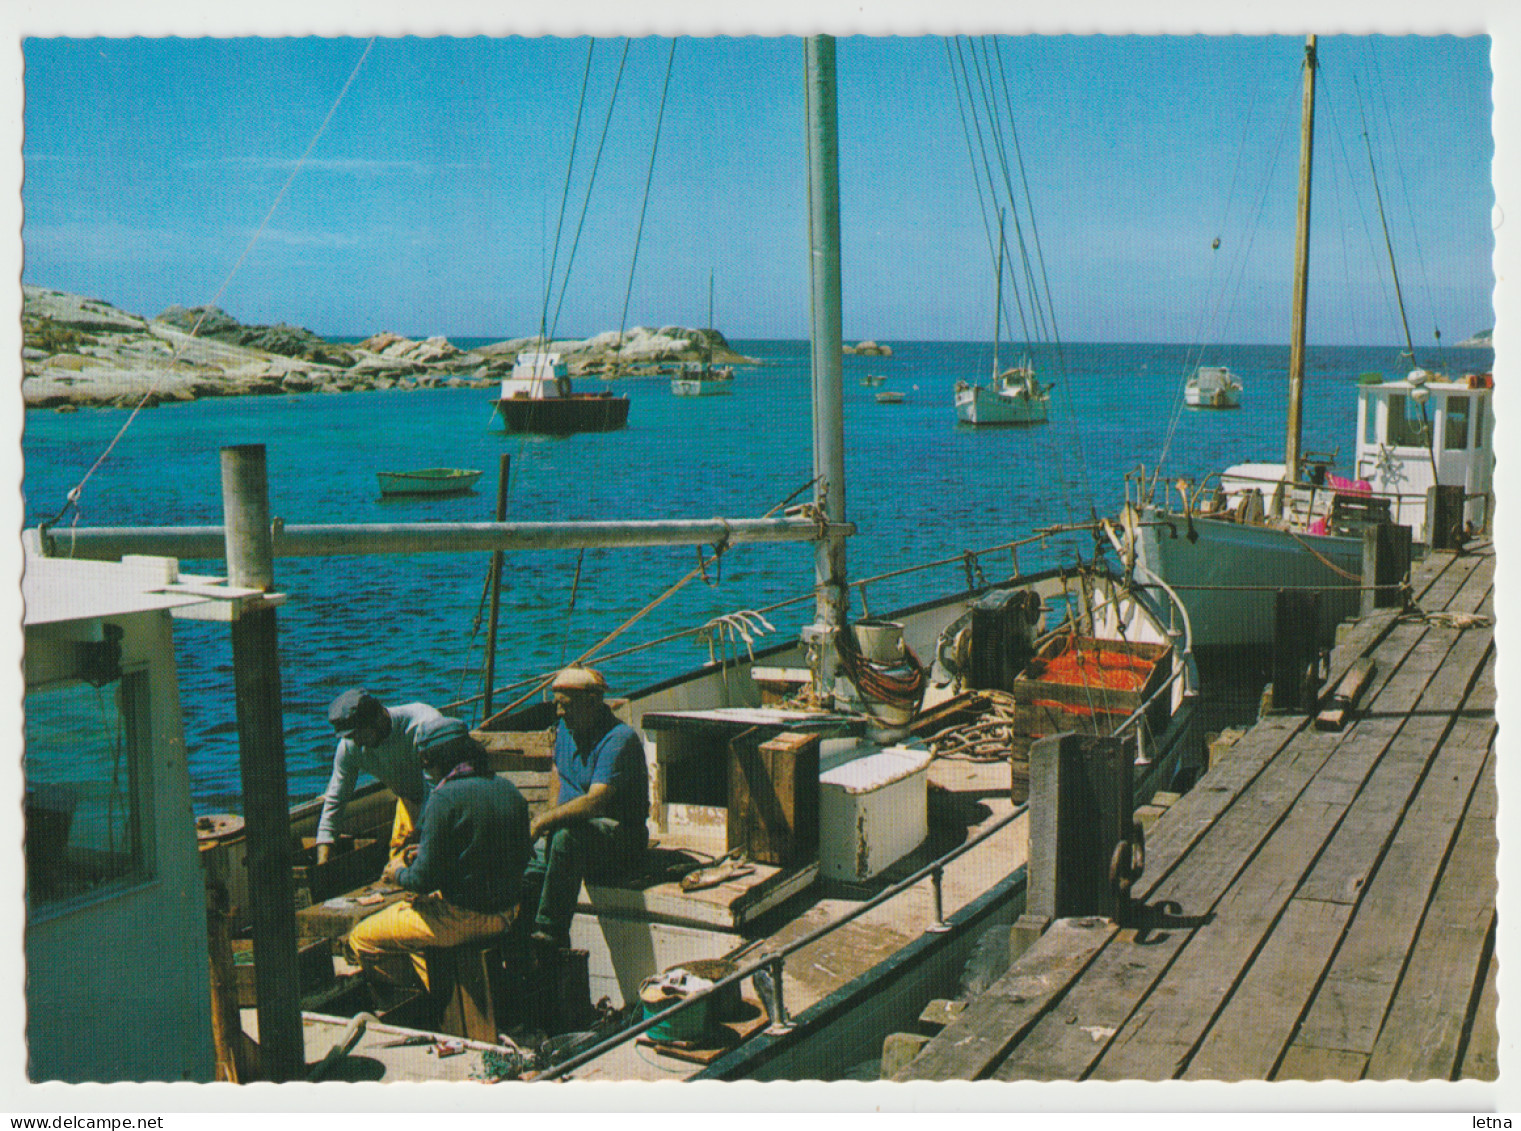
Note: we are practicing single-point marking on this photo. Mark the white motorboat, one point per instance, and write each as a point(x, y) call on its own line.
point(1213, 386)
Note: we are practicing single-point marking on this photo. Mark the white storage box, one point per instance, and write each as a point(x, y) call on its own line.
point(873, 811)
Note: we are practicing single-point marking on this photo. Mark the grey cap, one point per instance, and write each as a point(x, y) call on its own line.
point(443, 738)
point(351, 709)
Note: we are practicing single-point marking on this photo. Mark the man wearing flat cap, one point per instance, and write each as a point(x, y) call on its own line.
point(380, 741)
point(465, 872)
point(596, 829)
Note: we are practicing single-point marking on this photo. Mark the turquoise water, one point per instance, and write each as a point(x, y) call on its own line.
point(919, 487)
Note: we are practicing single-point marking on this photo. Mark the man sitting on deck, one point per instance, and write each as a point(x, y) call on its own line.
point(383, 742)
point(465, 872)
point(596, 830)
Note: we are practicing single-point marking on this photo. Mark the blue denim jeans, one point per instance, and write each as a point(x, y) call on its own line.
point(600, 849)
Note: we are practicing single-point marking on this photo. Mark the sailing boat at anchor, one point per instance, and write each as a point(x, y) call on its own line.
point(1013, 395)
point(1424, 459)
point(703, 380)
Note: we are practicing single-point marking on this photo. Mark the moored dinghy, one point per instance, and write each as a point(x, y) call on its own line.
point(428, 481)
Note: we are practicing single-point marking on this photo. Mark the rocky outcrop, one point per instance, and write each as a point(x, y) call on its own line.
point(1484, 339)
point(868, 349)
point(78, 351)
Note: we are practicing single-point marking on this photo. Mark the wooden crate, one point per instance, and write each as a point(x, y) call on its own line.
point(1052, 699)
point(773, 811)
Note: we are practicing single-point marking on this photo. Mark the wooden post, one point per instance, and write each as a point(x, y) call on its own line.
point(1296, 649)
point(1082, 802)
point(1386, 563)
point(496, 585)
point(261, 757)
point(1444, 517)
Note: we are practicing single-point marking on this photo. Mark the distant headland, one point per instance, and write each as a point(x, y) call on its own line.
point(83, 351)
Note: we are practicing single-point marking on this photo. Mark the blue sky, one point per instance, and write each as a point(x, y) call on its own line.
point(430, 202)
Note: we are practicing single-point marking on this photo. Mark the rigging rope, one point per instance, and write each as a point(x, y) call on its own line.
point(72, 498)
point(644, 205)
point(575, 139)
point(591, 181)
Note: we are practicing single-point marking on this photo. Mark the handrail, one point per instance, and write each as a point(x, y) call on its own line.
point(1040, 536)
point(773, 958)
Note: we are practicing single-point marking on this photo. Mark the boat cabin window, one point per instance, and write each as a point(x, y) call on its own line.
point(1371, 406)
point(1456, 438)
point(1478, 422)
point(84, 811)
point(1407, 426)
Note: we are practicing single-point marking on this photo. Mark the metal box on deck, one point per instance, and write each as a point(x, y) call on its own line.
point(873, 811)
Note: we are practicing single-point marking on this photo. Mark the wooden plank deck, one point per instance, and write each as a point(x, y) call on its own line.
point(1320, 906)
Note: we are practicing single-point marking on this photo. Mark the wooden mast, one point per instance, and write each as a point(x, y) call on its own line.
point(1301, 274)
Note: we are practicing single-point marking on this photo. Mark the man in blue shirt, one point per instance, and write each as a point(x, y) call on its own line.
point(464, 874)
point(381, 741)
point(596, 830)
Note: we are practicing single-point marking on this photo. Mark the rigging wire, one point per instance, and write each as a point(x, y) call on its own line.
point(644, 205)
point(575, 140)
point(1384, 220)
point(1403, 181)
point(590, 183)
point(73, 496)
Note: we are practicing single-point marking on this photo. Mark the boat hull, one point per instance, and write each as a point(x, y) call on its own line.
point(981, 406)
point(563, 416)
point(700, 387)
point(1218, 398)
point(434, 481)
point(1227, 577)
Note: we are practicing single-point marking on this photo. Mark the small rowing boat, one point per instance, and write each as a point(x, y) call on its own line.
point(427, 481)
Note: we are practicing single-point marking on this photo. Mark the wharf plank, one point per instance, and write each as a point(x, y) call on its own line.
point(1422, 1036)
point(1481, 1059)
point(1353, 999)
point(988, 1026)
point(1156, 1042)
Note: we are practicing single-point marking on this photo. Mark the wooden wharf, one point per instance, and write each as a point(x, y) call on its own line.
point(1320, 906)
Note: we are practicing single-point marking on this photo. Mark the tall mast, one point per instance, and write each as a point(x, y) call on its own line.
point(709, 366)
point(1301, 269)
point(830, 593)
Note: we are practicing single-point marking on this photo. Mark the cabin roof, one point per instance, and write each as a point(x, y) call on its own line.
point(55, 590)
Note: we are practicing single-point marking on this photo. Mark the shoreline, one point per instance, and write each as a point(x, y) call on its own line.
point(85, 353)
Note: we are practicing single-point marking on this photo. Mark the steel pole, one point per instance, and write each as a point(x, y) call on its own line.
point(197, 543)
point(830, 592)
point(261, 759)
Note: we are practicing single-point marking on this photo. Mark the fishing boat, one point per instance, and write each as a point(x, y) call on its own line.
point(890, 398)
point(428, 481)
point(1013, 395)
point(1213, 386)
point(873, 380)
point(851, 801)
point(1424, 459)
point(537, 398)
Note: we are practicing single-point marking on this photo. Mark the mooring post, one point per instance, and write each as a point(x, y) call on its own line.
point(1085, 847)
point(1444, 516)
point(1386, 563)
point(496, 584)
point(1296, 650)
point(261, 758)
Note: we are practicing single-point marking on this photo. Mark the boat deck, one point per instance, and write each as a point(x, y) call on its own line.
point(1321, 906)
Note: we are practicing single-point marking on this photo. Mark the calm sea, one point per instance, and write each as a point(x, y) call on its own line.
point(919, 487)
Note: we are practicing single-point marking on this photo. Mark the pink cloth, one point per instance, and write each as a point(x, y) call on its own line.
point(1318, 526)
point(1354, 486)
